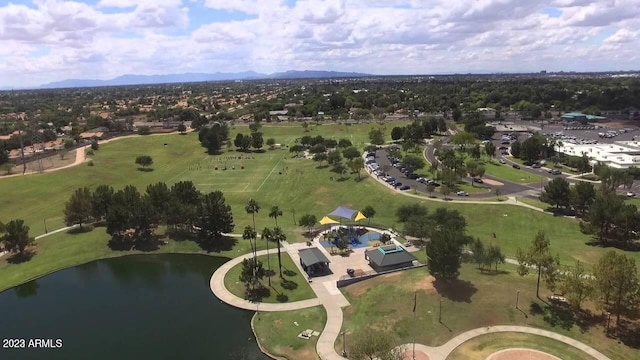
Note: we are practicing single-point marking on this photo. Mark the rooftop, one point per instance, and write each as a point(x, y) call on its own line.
point(389, 255)
point(312, 256)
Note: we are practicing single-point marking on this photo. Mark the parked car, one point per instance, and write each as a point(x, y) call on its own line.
point(516, 166)
point(631, 194)
point(462, 193)
point(502, 161)
point(555, 172)
point(398, 184)
point(477, 180)
point(389, 179)
point(405, 187)
point(536, 166)
point(412, 176)
point(433, 182)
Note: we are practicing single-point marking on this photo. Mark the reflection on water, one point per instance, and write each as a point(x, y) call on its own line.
point(135, 307)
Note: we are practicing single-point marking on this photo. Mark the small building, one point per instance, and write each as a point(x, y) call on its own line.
point(314, 261)
point(389, 257)
point(576, 116)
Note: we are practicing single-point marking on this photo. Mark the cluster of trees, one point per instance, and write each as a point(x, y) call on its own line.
point(253, 140)
point(213, 137)
point(486, 256)
point(414, 133)
point(15, 238)
point(603, 212)
point(446, 231)
point(475, 123)
point(614, 284)
point(332, 151)
point(253, 271)
point(131, 217)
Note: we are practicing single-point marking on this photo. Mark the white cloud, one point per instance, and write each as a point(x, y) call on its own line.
point(379, 36)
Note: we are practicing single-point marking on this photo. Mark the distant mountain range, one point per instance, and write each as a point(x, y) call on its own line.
point(200, 77)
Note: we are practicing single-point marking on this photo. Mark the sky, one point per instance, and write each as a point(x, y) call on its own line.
point(50, 40)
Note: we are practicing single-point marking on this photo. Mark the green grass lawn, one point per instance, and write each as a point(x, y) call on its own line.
point(303, 188)
point(293, 286)
point(278, 333)
point(537, 203)
point(483, 346)
point(508, 173)
point(474, 300)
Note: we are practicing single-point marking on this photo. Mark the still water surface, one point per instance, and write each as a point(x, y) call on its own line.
point(134, 307)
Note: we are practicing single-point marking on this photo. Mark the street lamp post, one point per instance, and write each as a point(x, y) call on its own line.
point(344, 344)
point(517, 298)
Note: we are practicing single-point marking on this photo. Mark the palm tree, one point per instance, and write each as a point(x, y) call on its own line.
point(274, 213)
point(248, 234)
point(268, 235)
point(252, 208)
point(278, 236)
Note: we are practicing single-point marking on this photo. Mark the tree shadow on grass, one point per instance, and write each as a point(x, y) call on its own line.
point(222, 243)
point(493, 272)
point(564, 316)
point(20, 258)
point(80, 230)
point(145, 169)
point(288, 272)
point(631, 246)
point(257, 294)
point(455, 289)
point(322, 166)
point(179, 236)
point(282, 298)
point(289, 285)
point(627, 333)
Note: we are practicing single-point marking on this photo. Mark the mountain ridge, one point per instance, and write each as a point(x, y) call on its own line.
point(133, 79)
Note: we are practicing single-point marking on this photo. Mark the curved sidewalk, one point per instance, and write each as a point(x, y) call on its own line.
point(441, 352)
point(221, 292)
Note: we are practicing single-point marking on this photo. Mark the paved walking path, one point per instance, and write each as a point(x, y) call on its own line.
point(441, 352)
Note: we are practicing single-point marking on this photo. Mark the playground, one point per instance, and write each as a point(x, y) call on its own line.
point(358, 237)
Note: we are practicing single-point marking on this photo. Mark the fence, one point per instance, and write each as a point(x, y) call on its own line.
point(348, 280)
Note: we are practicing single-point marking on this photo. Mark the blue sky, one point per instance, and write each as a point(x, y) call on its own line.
point(49, 40)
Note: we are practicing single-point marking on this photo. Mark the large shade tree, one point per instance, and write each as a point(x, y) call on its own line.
point(538, 257)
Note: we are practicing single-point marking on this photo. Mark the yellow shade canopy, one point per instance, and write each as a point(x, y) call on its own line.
point(326, 220)
point(360, 216)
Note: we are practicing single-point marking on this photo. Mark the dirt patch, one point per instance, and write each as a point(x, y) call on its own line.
point(492, 182)
point(408, 355)
point(426, 284)
point(517, 354)
point(322, 190)
point(277, 323)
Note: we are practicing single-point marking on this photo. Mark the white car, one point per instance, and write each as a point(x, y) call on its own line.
point(631, 194)
point(502, 161)
point(462, 193)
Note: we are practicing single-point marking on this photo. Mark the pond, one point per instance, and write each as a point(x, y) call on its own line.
point(134, 307)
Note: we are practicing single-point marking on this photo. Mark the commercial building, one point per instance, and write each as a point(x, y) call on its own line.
point(619, 155)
